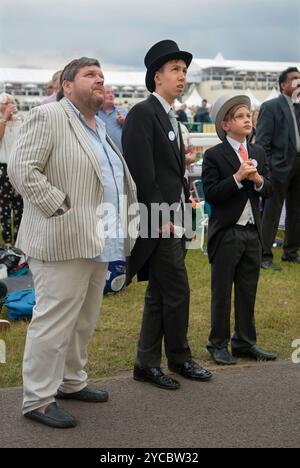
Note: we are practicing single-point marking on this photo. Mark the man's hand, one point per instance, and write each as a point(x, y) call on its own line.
point(10, 109)
point(190, 158)
point(245, 171)
point(167, 228)
point(120, 119)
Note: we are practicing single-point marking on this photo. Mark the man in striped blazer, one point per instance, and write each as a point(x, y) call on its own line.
point(77, 191)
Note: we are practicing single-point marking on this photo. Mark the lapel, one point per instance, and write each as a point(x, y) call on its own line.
point(288, 115)
point(81, 136)
point(167, 128)
point(251, 152)
point(231, 156)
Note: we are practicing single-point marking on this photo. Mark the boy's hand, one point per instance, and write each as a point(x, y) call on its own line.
point(245, 171)
point(257, 179)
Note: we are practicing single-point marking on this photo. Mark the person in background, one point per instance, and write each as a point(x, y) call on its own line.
point(181, 114)
point(189, 113)
point(202, 115)
point(49, 88)
point(252, 137)
point(55, 87)
point(11, 203)
point(278, 132)
point(113, 117)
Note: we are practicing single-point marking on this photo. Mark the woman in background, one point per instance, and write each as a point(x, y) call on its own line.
point(11, 203)
point(252, 136)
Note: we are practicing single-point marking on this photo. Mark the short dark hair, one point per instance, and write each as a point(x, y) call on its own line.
point(70, 71)
point(283, 75)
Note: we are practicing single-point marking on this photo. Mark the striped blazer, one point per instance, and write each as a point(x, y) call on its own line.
point(53, 158)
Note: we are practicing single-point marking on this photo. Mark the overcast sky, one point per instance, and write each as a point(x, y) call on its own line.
point(48, 34)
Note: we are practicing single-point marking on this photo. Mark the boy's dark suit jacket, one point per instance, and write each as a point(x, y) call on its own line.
point(222, 193)
point(157, 167)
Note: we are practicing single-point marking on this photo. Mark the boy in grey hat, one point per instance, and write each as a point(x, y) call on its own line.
point(235, 176)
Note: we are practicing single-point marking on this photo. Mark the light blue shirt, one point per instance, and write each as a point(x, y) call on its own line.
point(114, 130)
point(112, 171)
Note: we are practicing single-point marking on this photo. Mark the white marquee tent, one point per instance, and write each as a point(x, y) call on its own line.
point(194, 99)
point(255, 103)
point(274, 94)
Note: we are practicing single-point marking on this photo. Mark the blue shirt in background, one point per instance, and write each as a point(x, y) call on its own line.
point(114, 130)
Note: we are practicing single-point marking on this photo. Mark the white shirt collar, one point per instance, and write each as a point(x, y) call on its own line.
point(236, 144)
point(163, 102)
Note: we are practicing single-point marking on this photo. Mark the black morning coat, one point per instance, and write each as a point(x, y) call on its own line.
point(157, 166)
point(275, 131)
point(222, 193)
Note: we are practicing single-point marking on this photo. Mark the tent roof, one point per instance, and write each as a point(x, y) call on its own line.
point(194, 99)
point(273, 94)
point(254, 101)
point(29, 75)
point(243, 65)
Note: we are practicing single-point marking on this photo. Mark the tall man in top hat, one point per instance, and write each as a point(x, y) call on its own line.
point(154, 152)
point(278, 131)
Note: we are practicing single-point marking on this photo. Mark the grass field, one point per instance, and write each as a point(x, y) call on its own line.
point(113, 346)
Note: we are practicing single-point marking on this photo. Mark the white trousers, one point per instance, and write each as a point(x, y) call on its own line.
point(68, 300)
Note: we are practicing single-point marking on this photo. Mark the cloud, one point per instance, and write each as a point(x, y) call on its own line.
point(120, 32)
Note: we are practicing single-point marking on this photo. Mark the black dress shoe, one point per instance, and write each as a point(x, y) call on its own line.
point(222, 357)
point(255, 353)
point(155, 376)
point(287, 259)
point(53, 417)
point(268, 265)
point(88, 394)
point(191, 370)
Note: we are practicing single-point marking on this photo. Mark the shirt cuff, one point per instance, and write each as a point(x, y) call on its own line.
point(259, 189)
point(240, 186)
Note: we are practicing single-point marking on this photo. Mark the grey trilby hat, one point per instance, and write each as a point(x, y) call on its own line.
point(222, 106)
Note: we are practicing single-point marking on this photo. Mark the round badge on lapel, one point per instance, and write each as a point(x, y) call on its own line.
point(172, 136)
point(254, 162)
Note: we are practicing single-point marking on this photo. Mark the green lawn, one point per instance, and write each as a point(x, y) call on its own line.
point(114, 344)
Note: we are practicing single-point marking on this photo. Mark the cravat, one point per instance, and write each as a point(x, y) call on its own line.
point(174, 121)
point(297, 114)
point(243, 153)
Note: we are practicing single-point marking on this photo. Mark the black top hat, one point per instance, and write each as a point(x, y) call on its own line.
point(160, 53)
